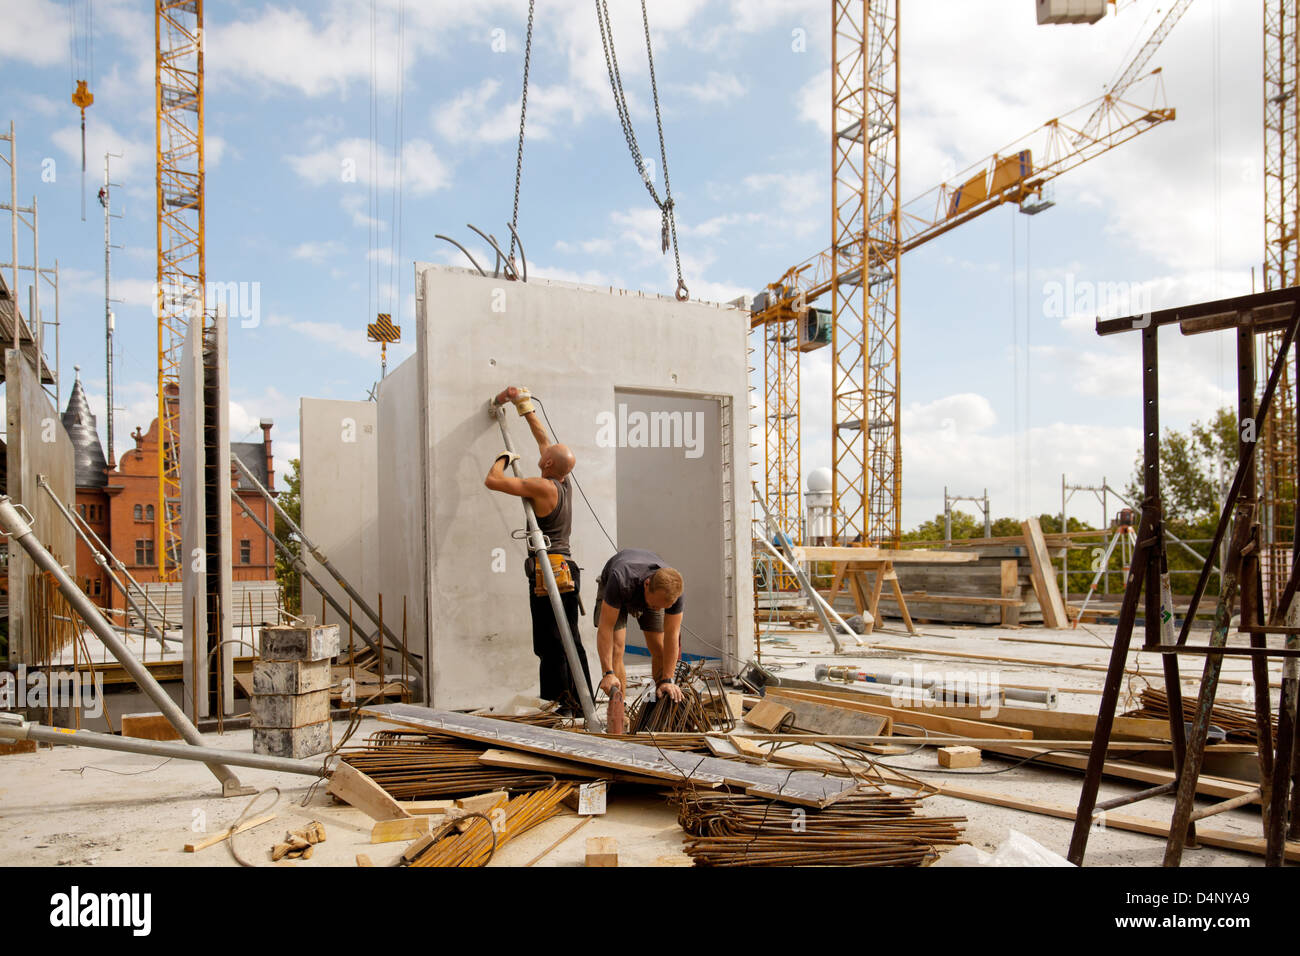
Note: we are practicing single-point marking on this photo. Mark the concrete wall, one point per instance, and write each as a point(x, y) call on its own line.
point(402, 564)
point(573, 346)
point(37, 445)
point(340, 507)
point(194, 590)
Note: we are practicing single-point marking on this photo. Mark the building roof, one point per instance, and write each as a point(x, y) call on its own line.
point(79, 422)
point(253, 455)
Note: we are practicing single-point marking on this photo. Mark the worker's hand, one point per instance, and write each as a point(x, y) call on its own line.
point(669, 689)
point(609, 683)
point(510, 457)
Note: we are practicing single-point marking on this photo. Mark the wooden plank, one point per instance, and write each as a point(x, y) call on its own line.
point(353, 787)
point(1009, 572)
point(768, 715)
point(883, 554)
point(958, 757)
point(949, 725)
point(517, 760)
point(805, 789)
point(148, 727)
point(1115, 821)
point(216, 838)
point(394, 831)
point(915, 596)
point(1044, 576)
point(832, 718)
point(1056, 723)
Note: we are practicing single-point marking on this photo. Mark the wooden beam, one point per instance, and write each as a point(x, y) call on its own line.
point(355, 788)
point(1044, 575)
point(894, 555)
point(951, 725)
point(225, 834)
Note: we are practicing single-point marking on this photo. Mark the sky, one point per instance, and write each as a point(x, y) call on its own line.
point(312, 108)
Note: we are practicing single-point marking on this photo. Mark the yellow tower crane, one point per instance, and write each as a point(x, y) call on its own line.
point(871, 230)
point(182, 276)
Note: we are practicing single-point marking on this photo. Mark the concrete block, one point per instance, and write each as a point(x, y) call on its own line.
point(285, 643)
point(297, 742)
point(290, 710)
point(291, 677)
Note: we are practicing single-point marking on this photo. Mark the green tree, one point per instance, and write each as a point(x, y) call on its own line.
point(1195, 467)
point(290, 499)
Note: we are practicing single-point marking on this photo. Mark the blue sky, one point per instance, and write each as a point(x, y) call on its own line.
point(1000, 389)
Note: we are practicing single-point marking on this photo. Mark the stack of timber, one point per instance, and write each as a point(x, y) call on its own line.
point(861, 829)
point(1237, 720)
point(1011, 582)
point(290, 711)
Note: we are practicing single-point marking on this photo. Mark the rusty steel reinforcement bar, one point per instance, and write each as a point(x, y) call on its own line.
point(112, 558)
point(19, 530)
point(14, 728)
point(103, 562)
point(335, 573)
point(537, 547)
point(298, 565)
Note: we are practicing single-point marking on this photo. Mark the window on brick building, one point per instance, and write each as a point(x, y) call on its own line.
point(245, 551)
point(144, 551)
point(81, 510)
point(148, 512)
point(139, 512)
point(98, 587)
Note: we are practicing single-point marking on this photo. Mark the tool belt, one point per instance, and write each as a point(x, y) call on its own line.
point(560, 568)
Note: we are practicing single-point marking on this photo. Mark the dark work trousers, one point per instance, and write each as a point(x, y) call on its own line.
point(553, 663)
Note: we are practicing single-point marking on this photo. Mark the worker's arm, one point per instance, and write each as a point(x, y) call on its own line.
point(539, 432)
point(605, 646)
point(539, 490)
point(672, 650)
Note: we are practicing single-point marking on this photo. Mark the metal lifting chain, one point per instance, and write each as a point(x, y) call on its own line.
point(523, 114)
point(666, 205)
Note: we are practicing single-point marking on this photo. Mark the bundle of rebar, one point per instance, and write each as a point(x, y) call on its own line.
point(694, 713)
point(412, 765)
point(864, 829)
point(1237, 721)
point(485, 834)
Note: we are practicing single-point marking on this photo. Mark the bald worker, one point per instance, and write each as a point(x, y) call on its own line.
point(551, 496)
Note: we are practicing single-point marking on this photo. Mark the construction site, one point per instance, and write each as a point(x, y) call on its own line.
point(377, 630)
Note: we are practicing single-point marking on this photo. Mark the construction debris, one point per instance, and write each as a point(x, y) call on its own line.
point(485, 834)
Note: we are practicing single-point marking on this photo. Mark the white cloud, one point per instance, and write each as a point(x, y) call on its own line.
point(134, 164)
point(357, 162)
point(719, 88)
point(317, 250)
point(35, 32)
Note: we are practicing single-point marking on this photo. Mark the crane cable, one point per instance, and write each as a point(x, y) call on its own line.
point(519, 155)
point(666, 205)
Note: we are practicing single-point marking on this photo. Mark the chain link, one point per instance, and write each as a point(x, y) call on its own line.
point(523, 114)
point(666, 205)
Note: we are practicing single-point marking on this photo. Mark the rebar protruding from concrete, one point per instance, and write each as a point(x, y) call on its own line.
point(103, 562)
point(334, 572)
point(19, 530)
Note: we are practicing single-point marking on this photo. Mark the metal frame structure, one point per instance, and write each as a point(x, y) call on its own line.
point(864, 280)
point(864, 193)
point(1281, 269)
point(1250, 317)
point(182, 267)
point(781, 428)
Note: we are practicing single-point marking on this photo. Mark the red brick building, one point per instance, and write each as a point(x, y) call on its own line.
point(119, 501)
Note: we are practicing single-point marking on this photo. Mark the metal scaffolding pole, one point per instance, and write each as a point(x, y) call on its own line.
point(18, 527)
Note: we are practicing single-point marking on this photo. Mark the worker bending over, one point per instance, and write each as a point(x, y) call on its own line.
point(639, 583)
point(551, 496)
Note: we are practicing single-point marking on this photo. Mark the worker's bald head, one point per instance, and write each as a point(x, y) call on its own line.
point(557, 461)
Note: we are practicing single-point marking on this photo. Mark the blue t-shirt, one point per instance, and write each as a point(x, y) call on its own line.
point(623, 581)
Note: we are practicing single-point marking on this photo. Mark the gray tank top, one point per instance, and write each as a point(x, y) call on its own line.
point(557, 525)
